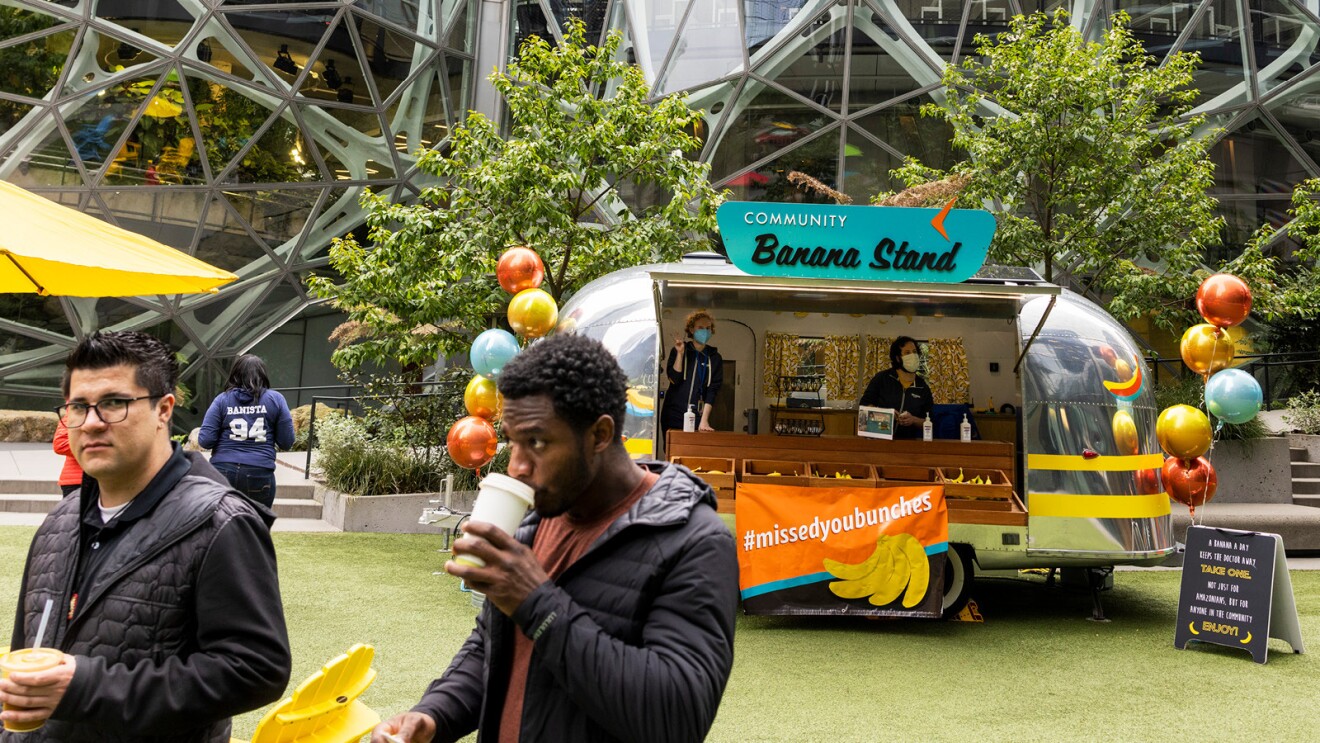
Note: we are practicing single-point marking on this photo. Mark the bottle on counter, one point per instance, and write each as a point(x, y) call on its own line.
point(690, 419)
point(927, 429)
point(965, 430)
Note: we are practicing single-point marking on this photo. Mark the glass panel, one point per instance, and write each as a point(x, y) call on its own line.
point(766, 119)
point(164, 21)
point(279, 156)
point(1285, 41)
point(388, 55)
point(111, 312)
point(224, 242)
point(988, 17)
point(162, 147)
point(50, 164)
point(419, 116)
point(528, 20)
point(876, 76)
point(401, 12)
point(818, 158)
point(866, 167)
point(114, 54)
point(711, 46)
point(1242, 217)
point(42, 313)
point(228, 58)
point(274, 308)
point(1300, 121)
point(227, 120)
point(1253, 160)
point(168, 216)
point(935, 21)
point(460, 91)
point(12, 112)
point(458, 16)
point(29, 68)
point(766, 18)
point(654, 28)
point(337, 74)
point(902, 127)
point(1156, 20)
point(817, 75)
point(282, 40)
point(592, 13)
point(275, 216)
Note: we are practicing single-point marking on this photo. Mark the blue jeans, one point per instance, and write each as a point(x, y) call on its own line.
point(257, 483)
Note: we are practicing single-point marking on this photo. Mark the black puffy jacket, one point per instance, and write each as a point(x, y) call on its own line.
point(181, 628)
point(633, 642)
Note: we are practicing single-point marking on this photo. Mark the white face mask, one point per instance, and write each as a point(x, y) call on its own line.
point(911, 362)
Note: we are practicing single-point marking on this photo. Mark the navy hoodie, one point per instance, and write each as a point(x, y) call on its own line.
point(239, 430)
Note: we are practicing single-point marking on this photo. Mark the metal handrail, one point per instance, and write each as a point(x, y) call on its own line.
point(311, 420)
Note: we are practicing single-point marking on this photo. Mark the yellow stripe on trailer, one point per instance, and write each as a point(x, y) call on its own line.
point(1103, 463)
point(638, 448)
point(1099, 506)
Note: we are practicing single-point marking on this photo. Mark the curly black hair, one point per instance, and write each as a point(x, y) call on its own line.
point(581, 377)
point(156, 369)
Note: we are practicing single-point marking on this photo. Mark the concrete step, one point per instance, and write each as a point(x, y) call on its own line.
point(1298, 454)
point(43, 487)
point(1305, 486)
point(1307, 500)
point(293, 508)
point(300, 491)
point(297, 508)
point(1298, 525)
point(1304, 470)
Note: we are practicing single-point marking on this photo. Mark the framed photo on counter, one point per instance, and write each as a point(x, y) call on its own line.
point(875, 423)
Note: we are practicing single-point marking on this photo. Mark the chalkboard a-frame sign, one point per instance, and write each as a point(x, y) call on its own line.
point(1236, 592)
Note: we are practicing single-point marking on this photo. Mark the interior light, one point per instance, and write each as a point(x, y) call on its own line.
point(284, 61)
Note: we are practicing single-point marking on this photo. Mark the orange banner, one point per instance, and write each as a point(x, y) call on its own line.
point(841, 550)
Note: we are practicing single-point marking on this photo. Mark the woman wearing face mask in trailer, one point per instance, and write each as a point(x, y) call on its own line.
point(696, 373)
point(901, 388)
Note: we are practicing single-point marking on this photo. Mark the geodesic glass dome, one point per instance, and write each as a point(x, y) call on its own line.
point(241, 133)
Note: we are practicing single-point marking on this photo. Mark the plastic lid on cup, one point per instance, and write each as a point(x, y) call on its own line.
point(510, 485)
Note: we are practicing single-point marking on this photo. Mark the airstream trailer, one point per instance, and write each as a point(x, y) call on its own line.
point(1084, 452)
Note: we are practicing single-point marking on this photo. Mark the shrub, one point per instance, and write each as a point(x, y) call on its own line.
point(1190, 390)
point(302, 416)
point(352, 461)
point(1304, 412)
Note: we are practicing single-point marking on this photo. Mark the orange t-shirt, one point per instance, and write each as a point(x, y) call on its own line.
point(559, 542)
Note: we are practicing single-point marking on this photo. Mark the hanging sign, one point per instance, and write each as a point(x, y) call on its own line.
point(1236, 591)
point(871, 243)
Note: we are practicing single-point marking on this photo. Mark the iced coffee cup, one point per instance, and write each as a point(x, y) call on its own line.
point(27, 660)
point(502, 501)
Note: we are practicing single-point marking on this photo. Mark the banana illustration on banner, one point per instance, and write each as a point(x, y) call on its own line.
point(897, 563)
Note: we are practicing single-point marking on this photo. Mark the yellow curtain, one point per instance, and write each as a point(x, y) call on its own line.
point(781, 358)
point(842, 365)
point(946, 370)
point(877, 358)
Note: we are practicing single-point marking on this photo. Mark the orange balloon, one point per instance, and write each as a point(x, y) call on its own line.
point(471, 442)
point(1107, 353)
point(533, 313)
point(520, 268)
point(1223, 300)
point(1191, 482)
point(482, 399)
point(1183, 431)
point(1206, 349)
point(1126, 440)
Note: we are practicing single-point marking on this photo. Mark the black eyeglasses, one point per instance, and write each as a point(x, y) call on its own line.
point(109, 410)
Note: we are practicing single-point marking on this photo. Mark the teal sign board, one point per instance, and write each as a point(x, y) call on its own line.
point(873, 243)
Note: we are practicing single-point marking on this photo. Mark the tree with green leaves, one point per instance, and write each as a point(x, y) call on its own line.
point(583, 140)
point(1086, 154)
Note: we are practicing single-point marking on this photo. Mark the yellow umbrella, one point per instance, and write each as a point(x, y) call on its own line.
point(51, 249)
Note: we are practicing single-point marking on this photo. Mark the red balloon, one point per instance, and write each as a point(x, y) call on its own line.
point(1191, 482)
point(520, 268)
point(1148, 482)
point(472, 442)
point(1223, 300)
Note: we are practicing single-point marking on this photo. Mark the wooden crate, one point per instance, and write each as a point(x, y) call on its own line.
point(724, 500)
point(1000, 488)
point(973, 511)
point(724, 476)
point(859, 475)
point(903, 475)
point(757, 472)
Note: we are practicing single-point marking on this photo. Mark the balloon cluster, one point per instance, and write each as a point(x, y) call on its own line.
point(472, 440)
point(1231, 395)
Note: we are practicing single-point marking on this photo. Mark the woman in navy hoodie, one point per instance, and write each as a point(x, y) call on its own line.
point(242, 428)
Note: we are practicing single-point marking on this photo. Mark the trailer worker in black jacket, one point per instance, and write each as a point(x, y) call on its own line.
point(901, 388)
point(695, 370)
point(162, 580)
point(609, 616)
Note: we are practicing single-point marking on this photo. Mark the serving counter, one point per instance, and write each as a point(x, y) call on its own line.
point(946, 455)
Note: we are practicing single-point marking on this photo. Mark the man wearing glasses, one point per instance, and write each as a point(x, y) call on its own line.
point(161, 582)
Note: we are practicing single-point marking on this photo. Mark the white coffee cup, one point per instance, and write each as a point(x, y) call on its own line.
point(502, 501)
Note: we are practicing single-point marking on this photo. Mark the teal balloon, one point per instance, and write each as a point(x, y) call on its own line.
point(1233, 396)
point(491, 351)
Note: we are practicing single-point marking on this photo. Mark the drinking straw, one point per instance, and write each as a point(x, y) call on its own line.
point(45, 619)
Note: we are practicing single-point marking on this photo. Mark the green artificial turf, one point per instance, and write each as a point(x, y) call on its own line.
point(1036, 669)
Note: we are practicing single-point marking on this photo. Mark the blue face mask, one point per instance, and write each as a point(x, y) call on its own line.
point(701, 335)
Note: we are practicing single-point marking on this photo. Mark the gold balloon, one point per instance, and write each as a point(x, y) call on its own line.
point(1183, 431)
point(1125, 433)
point(533, 313)
point(1206, 349)
point(1123, 369)
point(482, 399)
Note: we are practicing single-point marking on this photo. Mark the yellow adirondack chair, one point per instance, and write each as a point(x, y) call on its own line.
point(324, 709)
